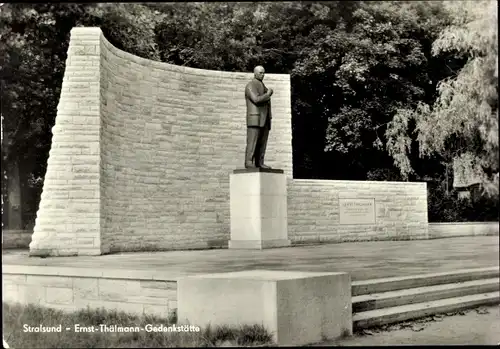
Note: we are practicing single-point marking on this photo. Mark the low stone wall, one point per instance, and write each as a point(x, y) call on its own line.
point(70, 289)
point(341, 211)
point(447, 230)
point(16, 238)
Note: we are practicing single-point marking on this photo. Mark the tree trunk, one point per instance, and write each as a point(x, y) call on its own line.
point(446, 183)
point(11, 195)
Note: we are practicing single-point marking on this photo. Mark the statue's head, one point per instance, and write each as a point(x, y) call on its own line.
point(259, 72)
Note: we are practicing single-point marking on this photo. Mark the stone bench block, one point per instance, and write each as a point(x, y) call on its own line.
point(297, 307)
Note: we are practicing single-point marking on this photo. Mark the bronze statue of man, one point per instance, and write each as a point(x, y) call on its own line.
point(258, 98)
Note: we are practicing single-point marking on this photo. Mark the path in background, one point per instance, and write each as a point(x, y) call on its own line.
point(473, 327)
point(364, 260)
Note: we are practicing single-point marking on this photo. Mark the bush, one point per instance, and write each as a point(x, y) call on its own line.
point(448, 207)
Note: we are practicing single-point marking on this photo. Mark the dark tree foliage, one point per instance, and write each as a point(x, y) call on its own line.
point(353, 64)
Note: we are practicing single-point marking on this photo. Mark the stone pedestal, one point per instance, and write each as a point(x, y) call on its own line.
point(298, 308)
point(258, 208)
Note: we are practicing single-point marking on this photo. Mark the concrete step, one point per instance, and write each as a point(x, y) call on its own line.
point(423, 294)
point(391, 315)
point(422, 280)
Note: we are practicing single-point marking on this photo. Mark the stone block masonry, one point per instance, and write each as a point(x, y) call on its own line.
point(68, 218)
point(314, 215)
point(142, 152)
point(71, 289)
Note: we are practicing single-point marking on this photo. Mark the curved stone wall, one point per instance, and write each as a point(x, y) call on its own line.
point(154, 156)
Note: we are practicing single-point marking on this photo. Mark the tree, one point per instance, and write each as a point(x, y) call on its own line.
point(229, 36)
point(33, 45)
point(31, 75)
point(462, 123)
point(365, 64)
point(353, 65)
point(130, 27)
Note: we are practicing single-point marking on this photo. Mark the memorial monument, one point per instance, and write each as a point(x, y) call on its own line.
point(258, 207)
point(138, 163)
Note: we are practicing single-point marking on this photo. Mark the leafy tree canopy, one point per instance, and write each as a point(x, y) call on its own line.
point(462, 123)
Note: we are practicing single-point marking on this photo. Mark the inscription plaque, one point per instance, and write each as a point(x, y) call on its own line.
point(357, 211)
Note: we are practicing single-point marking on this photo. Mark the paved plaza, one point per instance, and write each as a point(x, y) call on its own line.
point(480, 326)
point(364, 260)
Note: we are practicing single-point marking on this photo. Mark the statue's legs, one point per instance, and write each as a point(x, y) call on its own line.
point(256, 145)
point(261, 146)
point(252, 138)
